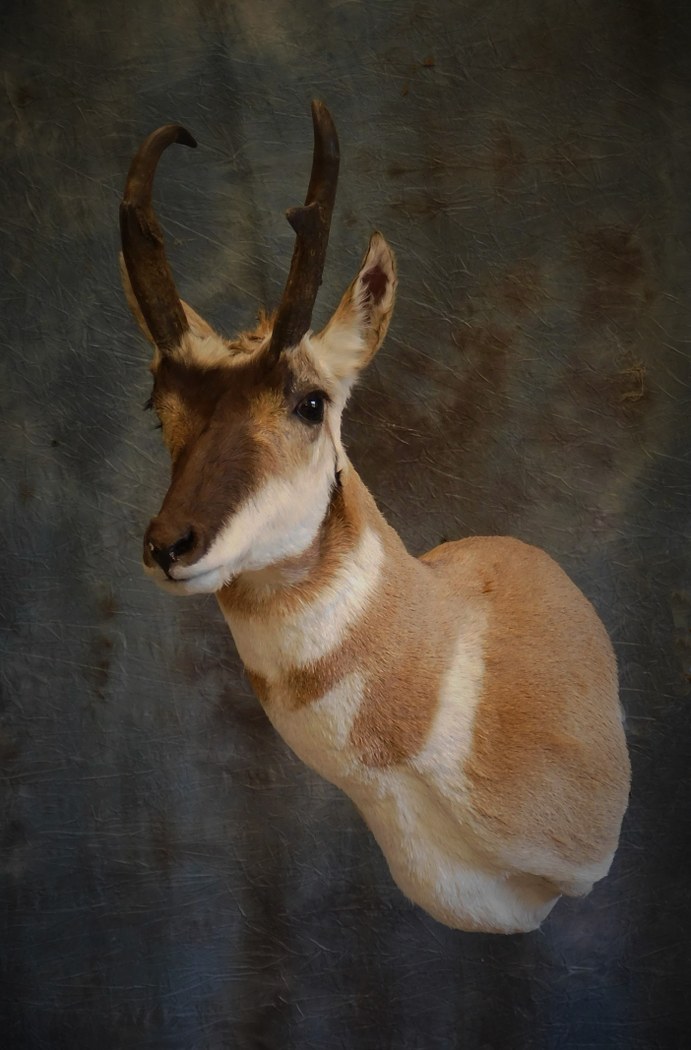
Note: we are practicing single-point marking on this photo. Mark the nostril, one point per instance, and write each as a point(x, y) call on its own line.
point(164, 554)
point(160, 555)
point(184, 545)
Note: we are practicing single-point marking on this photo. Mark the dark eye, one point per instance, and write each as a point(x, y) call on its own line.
point(148, 407)
point(311, 408)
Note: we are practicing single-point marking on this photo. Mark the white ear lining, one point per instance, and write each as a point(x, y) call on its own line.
point(357, 329)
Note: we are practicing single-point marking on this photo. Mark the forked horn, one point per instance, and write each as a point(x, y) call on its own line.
point(142, 242)
point(311, 224)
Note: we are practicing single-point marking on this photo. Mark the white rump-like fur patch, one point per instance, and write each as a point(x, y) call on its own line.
point(319, 732)
point(449, 740)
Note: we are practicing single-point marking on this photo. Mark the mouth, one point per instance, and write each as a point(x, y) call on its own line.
point(203, 582)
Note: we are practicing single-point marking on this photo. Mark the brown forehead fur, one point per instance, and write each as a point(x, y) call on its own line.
point(197, 390)
point(188, 388)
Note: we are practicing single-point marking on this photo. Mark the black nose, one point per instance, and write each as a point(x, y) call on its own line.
point(166, 555)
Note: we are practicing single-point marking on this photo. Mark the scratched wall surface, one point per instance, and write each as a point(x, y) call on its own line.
point(171, 876)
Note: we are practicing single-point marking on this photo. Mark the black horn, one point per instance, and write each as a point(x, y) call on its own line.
point(142, 242)
point(311, 223)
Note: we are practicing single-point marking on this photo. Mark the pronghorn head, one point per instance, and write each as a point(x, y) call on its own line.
point(252, 423)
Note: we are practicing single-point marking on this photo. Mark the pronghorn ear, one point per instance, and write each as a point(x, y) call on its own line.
point(357, 329)
point(198, 326)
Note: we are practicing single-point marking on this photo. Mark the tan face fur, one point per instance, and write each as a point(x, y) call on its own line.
point(251, 479)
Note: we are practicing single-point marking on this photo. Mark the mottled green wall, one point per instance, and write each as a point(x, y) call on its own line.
point(170, 875)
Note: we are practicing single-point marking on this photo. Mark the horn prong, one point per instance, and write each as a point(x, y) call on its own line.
point(312, 223)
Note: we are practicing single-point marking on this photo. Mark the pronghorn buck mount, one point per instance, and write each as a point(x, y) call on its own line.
point(466, 700)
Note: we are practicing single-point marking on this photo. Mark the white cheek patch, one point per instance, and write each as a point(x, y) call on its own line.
point(280, 520)
point(271, 645)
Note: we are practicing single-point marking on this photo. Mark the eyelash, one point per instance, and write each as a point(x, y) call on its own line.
point(148, 406)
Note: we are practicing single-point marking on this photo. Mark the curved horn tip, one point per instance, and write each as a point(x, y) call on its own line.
point(185, 138)
point(174, 133)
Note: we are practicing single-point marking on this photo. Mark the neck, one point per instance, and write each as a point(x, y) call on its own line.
point(290, 584)
point(344, 632)
point(294, 612)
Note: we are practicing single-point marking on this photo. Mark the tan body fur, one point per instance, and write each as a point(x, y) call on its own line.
point(488, 789)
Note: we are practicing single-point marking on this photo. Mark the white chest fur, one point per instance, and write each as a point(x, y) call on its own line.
point(416, 812)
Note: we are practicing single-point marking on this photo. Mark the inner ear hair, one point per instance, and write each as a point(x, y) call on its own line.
point(374, 282)
point(197, 324)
